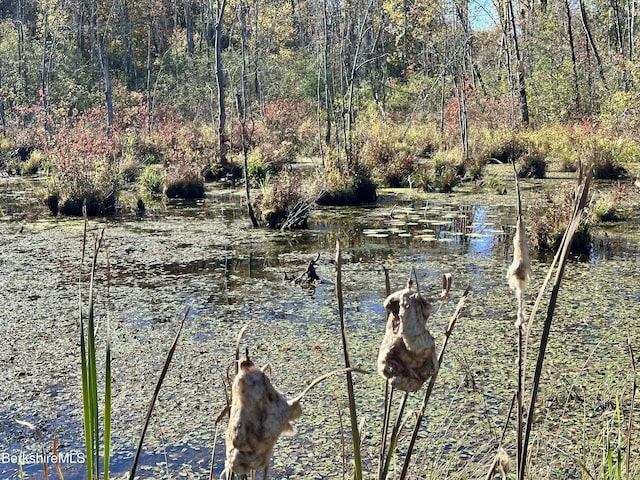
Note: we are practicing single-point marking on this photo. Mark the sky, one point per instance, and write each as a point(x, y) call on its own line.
point(482, 14)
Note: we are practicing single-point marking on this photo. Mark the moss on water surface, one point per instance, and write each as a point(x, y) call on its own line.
point(206, 256)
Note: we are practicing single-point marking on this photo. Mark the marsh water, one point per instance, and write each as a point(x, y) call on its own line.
point(205, 256)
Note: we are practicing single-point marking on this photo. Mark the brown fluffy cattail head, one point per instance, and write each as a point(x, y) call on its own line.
point(500, 465)
point(407, 356)
point(259, 415)
point(520, 269)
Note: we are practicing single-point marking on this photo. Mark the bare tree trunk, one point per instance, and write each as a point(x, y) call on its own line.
point(20, 25)
point(462, 77)
point(463, 123)
point(256, 59)
point(241, 99)
point(443, 103)
point(591, 41)
point(576, 89)
point(125, 44)
point(104, 61)
point(43, 66)
point(93, 36)
point(617, 25)
point(632, 29)
point(222, 115)
point(349, 113)
point(522, 90)
point(504, 27)
point(3, 120)
point(149, 96)
point(188, 20)
point(325, 70)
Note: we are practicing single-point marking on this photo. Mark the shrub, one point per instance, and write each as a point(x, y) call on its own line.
point(84, 167)
point(184, 187)
point(7, 146)
point(442, 173)
point(341, 186)
point(284, 201)
point(501, 147)
point(389, 159)
point(33, 163)
point(607, 205)
point(275, 156)
point(549, 220)
point(277, 131)
point(495, 183)
point(183, 181)
point(391, 152)
point(531, 165)
point(602, 156)
point(30, 165)
point(152, 179)
point(129, 165)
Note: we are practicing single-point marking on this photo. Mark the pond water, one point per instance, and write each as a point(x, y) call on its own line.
point(205, 256)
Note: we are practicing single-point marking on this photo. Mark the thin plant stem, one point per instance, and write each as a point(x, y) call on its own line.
point(496, 460)
point(213, 451)
point(355, 434)
point(633, 401)
point(107, 385)
point(520, 394)
point(565, 246)
point(394, 437)
point(432, 381)
point(165, 369)
point(343, 448)
point(388, 396)
point(57, 458)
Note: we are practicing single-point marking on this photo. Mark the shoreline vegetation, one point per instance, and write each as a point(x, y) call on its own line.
point(156, 105)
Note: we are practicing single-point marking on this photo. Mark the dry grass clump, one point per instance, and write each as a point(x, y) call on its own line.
point(532, 165)
point(442, 172)
point(285, 201)
point(549, 219)
point(606, 207)
point(339, 185)
point(386, 152)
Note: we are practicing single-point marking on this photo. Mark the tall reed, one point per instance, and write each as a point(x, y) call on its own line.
point(90, 401)
point(163, 374)
point(526, 412)
point(389, 440)
point(355, 433)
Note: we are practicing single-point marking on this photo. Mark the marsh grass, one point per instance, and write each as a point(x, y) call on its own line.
point(526, 412)
point(90, 401)
point(45, 466)
point(97, 439)
point(353, 415)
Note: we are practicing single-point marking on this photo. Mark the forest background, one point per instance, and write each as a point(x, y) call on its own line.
point(419, 93)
